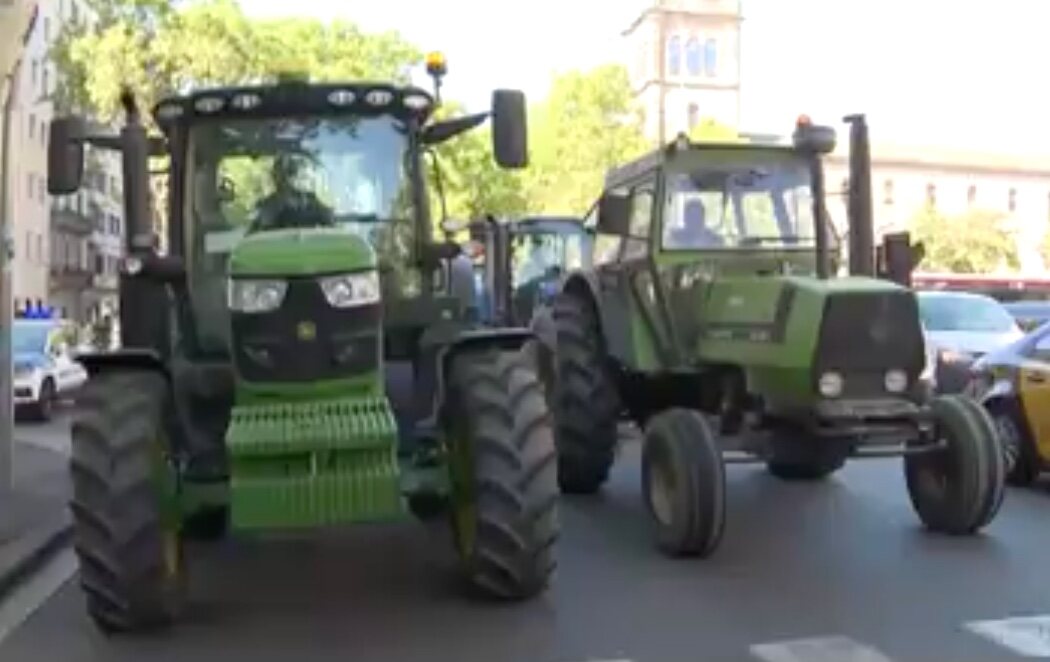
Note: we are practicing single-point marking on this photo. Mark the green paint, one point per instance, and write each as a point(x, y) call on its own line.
point(313, 463)
point(301, 252)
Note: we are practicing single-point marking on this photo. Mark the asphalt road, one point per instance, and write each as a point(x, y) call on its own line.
point(842, 565)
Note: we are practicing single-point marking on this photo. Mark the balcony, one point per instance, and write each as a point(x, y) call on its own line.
point(71, 277)
point(70, 221)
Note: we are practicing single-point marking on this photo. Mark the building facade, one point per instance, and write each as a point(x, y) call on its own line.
point(684, 61)
point(685, 64)
point(66, 250)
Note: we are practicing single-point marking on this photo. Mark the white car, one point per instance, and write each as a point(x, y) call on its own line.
point(45, 370)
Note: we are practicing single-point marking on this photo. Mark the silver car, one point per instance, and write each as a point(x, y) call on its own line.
point(960, 328)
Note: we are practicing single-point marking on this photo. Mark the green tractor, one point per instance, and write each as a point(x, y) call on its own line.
point(519, 264)
point(296, 358)
point(714, 319)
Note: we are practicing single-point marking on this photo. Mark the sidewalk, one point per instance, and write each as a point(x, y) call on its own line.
point(34, 520)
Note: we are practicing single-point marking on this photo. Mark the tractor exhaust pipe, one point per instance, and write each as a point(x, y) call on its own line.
point(859, 206)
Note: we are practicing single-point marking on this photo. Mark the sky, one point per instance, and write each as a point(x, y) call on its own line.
point(949, 73)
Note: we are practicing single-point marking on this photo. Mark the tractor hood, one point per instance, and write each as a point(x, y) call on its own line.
point(786, 330)
point(301, 252)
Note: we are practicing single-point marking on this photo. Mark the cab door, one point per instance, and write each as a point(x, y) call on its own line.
point(1034, 386)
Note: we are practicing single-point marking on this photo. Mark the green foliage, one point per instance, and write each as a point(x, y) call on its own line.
point(586, 125)
point(157, 49)
point(974, 242)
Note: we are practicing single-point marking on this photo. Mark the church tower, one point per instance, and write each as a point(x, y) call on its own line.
point(685, 64)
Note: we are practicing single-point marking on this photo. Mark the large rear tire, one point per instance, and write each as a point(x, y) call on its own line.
point(505, 492)
point(958, 490)
point(585, 398)
point(683, 483)
point(124, 516)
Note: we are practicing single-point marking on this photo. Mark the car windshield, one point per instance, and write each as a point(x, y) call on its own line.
point(743, 206)
point(969, 313)
point(29, 338)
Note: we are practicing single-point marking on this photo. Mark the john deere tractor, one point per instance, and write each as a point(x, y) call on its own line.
point(714, 318)
point(296, 358)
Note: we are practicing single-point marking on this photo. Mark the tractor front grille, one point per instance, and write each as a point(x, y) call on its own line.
point(865, 334)
point(306, 339)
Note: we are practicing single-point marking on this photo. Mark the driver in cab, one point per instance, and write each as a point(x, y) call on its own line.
point(291, 205)
point(694, 233)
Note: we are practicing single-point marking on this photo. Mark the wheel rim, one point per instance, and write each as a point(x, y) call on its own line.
point(661, 489)
point(1010, 437)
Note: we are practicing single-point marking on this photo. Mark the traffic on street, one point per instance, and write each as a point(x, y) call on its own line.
point(317, 344)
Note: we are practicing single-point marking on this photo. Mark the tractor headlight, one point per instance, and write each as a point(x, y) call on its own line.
point(895, 381)
point(349, 290)
point(831, 384)
point(255, 296)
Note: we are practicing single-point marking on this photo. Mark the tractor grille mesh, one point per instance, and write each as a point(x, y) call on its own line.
point(865, 334)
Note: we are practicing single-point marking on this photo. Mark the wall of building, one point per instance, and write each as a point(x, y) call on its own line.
point(53, 264)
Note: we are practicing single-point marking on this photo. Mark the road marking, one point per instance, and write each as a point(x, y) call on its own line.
point(817, 649)
point(1028, 636)
point(26, 598)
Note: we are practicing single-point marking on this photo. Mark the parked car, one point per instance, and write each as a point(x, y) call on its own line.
point(45, 369)
point(1013, 383)
point(1029, 314)
point(960, 328)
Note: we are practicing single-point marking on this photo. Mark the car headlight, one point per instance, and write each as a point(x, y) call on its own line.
point(954, 356)
point(255, 296)
point(350, 290)
point(831, 384)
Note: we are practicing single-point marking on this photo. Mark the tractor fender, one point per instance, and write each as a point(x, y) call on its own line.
point(508, 339)
point(122, 359)
point(583, 284)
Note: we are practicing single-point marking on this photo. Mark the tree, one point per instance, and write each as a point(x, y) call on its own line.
point(587, 124)
point(974, 242)
point(156, 49)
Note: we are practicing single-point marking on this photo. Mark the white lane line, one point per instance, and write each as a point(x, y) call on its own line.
point(1028, 636)
point(817, 649)
point(26, 598)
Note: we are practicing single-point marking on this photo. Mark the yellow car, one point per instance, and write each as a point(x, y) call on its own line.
point(1013, 383)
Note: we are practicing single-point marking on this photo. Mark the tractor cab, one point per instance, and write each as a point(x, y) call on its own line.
point(519, 264)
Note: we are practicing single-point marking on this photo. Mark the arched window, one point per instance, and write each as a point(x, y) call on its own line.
point(694, 57)
point(971, 195)
point(931, 195)
point(693, 115)
point(1012, 201)
point(711, 57)
point(887, 192)
point(674, 56)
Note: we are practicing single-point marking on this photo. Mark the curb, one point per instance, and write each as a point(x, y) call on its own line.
point(20, 558)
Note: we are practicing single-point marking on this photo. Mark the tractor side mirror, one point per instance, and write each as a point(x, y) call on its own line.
point(510, 139)
point(65, 155)
point(613, 213)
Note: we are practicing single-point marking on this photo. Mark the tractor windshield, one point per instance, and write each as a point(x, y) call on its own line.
point(746, 205)
point(260, 174)
point(544, 255)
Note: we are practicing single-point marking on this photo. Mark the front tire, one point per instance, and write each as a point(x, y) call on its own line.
point(44, 408)
point(504, 476)
point(124, 514)
point(1022, 459)
point(585, 398)
point(958, 490)
point(684, 484)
